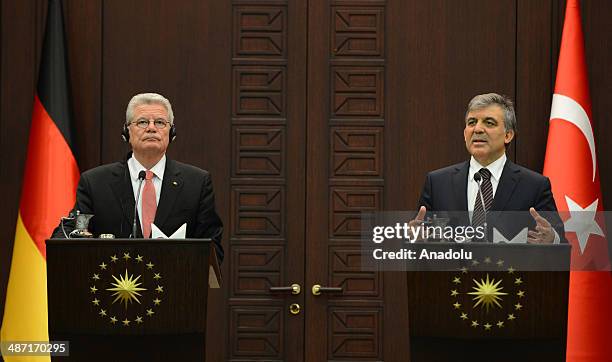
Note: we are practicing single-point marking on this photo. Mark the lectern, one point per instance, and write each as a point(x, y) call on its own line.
point(129, 299)
point(496, 307)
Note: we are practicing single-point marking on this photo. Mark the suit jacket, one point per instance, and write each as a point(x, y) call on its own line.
point(519, 189)
point(186, 197)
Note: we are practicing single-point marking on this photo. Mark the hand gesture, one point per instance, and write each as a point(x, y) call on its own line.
point(417, 221)
point(543, 233)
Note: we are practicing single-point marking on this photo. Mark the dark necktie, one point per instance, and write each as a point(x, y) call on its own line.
point(478, 218)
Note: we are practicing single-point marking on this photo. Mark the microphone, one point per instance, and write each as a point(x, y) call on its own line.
point(478, 180)
point(141, 177)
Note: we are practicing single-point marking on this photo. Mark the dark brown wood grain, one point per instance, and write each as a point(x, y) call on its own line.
point(171, 305)
point(537, 334)
point(266, 228)
point(83, 21)
point(533, 82)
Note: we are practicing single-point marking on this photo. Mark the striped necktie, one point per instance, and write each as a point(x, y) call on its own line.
point(479, 216)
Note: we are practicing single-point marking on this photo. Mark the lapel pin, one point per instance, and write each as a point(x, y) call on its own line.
point(174, 183)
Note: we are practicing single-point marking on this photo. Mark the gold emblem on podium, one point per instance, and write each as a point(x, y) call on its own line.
point(126, 290)
point(487, 300)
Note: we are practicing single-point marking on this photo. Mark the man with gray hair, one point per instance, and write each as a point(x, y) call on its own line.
point(489, 182)
point(169, 193)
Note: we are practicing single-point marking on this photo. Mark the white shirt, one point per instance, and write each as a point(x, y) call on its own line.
point(158, 171)
point(496, 168)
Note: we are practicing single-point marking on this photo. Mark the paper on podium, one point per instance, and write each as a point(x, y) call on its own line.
point(178, 234)
point(214, 274)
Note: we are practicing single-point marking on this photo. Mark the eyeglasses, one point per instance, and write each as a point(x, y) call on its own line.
point(159, 123)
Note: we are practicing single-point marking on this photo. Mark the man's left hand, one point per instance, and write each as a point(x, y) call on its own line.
point(544, 233)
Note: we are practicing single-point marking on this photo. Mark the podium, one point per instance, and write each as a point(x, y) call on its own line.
point(130, 299)
point(528, 322)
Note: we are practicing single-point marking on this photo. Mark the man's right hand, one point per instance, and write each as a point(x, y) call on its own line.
point(418, 220)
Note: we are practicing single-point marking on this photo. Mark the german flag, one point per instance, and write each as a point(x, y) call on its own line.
point(48, 192)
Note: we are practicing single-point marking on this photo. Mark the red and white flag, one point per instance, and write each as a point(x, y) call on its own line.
point(571, 165)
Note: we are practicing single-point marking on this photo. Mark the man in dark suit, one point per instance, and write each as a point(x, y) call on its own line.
point(172, 193)
point(489, 184)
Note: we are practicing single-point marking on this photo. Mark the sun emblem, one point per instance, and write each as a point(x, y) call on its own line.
point(487, 293)
point(494, 300)
point(126, 288)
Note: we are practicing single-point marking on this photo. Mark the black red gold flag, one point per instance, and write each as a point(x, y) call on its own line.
point(48, 191)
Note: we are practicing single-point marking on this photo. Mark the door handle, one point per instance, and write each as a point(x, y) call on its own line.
point(294, 288)
point(317, 289)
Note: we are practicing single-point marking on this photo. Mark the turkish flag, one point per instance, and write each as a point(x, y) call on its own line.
point(571, 165)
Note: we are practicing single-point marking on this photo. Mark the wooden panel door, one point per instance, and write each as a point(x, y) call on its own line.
point(363, 317)
point(300, 178)
point(266, 225)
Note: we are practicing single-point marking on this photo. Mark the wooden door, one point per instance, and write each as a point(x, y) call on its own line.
point(308, 127)
point(347, 173)
point(266, 224)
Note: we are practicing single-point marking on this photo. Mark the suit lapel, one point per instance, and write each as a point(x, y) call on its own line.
point(172, 185)
point(459, 180)
point(507, 184)
point(122, 189)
